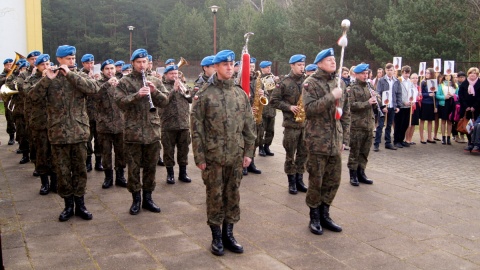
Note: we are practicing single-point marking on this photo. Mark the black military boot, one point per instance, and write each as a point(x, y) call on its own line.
point(98, 163)
point(252, 168)
point(148, 202)
point(108, 181)
point(120, 177)
point(325, 219)
point(35, 173)
point(244, 171)
point(266, 147)
point(261, 151)
point(19, 151)
point(228, 240)
point(53, 182)
point(81, 210)
point(67, 212)
point(217, 245)
point(25, 158)
point(292, 184)
point(170, 176)
point(353, 177)
point(314, 225)
point(137, 199)
point(299, 183)
point(160, 161)
point(183, 176)
point(12, 139)
point(45, 188)
point(88, 163)
point(362, 178)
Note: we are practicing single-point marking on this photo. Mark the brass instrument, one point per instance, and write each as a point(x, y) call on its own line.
point(183, 89)
point(14, 66)
point(268, 82)
point(152, 107)
point(300, 116)
point(7, 94)
point(259, 101)
point(373, 93)
point(182, 62)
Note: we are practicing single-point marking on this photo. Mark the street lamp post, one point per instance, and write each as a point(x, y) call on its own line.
point(214, 11)
point(131, 31)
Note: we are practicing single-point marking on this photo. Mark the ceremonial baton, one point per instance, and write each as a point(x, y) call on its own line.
point(342, 42)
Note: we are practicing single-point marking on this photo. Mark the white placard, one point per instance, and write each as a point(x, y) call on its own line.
point(96, 69)
point(160, 70)
point(421, 69)
point(449, 67)
point(385, 98)
point(412, 94)
point(432, 85)
point(397, 62)
point(437, 65)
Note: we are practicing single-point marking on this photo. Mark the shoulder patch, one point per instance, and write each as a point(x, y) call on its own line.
point(305, 85)
point(195, 97)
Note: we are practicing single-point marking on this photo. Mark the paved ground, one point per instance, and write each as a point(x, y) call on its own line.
point(421, 213)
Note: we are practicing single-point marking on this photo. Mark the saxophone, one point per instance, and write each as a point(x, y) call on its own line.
point(259, 101)
point(300, 116)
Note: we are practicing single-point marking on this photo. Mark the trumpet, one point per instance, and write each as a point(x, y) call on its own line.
point(152, 107)
point(183, 89)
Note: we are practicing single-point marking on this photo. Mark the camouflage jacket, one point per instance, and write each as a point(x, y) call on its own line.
point(323, 134)
point(175, 116)
point(286, 94)
point(198, 84)
point(3, 77)
point(38, 108)
point(66, 109)
point(361, 111)
point(141, 125)
point(268, 110)
point(119, 75)
point(15, 82)
point(90, 101)
point(222, 124)
point(108, 115)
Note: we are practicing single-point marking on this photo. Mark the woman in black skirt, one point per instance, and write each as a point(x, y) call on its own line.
point(469, 97)
point(444, 96)
point(427, 113)
point(415, 110)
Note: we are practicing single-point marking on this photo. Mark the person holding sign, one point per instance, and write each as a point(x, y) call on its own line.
point(444, 95)
point(428, 105)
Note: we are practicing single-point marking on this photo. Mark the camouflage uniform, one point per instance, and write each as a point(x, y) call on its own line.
point(16, 82)
point(97, 148)
point(324, 136)
point(8, 114)
point(362, 123)
point(286, 94)
point(175, 125)
point(67, 125)
point(269, 113)
point(142, 129)
point(222, 134)
point(119, 75)
point(110, 125)
point(198, 84)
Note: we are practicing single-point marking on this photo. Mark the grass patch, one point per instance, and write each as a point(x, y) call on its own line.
point(2, 108)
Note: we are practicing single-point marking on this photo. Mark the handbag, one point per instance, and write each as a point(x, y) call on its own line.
point(462, 124)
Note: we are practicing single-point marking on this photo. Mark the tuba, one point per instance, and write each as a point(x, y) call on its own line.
point(259, 101)
point(268, 82)
point(6, 94)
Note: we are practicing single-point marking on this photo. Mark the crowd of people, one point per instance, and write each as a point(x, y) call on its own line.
point(55, 112)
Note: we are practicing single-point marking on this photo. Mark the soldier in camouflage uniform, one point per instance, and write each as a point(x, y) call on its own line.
point(65, 91)
point(285, 97)
point(7, 66)
point(142, 129)
point(222, 141)
point(88, 61)
point(362, 123)
point(325, 138)
point(268, 115)
point(208, 70)
point(110, 126)
point(118, 69)
point(37, 123)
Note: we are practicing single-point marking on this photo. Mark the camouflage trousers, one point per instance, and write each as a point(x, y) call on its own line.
point(223, 192)
point(323, 179)
point(141, 156)
point(97, 147)
point(296, 152)
point(43, 160)
point(259, 132)
point(360, 144)
point(107, 140)
point(69, 160)
point(9, 117)
point(22, 136)
point(269, 130)
point(179, 138)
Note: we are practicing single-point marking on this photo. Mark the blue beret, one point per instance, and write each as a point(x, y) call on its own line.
point(139, 53)
point(361, 68)
point(265, 64)
point(311, 67)
point(106, 62)
point(66, 50)
point(224, 56)
point(297, 58)
point(20, 61)
point(23, 64)
point(33, 53)
point(42, 58)
point(127, 66)
point(52, 64)
point(119, 63)
point(323, 54)
point(207, 61)
point(87, 58)
point(169, 61)
point(237, 63)
point(253, 60)
point(150, 58)
point(8, 60)
point(170, 68)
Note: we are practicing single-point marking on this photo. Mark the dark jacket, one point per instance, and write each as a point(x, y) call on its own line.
point(466, 100)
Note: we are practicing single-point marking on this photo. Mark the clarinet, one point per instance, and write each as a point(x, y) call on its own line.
point(373, 94)
point(150, 102)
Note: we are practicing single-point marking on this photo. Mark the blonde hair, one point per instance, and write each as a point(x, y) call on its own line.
point(473, 70)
